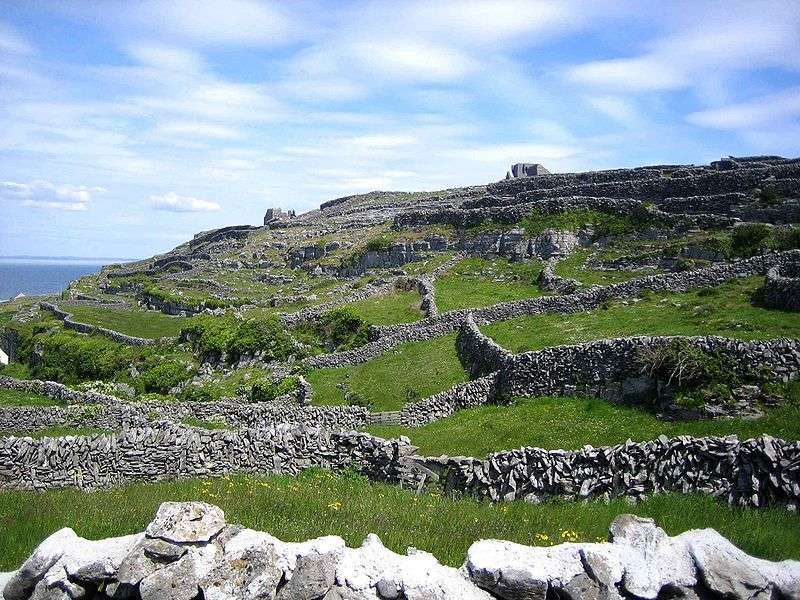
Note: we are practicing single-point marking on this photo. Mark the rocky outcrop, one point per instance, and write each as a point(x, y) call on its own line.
point(189, 551)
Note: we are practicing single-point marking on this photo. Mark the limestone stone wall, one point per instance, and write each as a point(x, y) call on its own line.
point(755, 472)
point(591, 298)
point(165, 451)
point(56, 391)
point(612, 369)
point(782, 287)
point(463, 395)
point(479, 353)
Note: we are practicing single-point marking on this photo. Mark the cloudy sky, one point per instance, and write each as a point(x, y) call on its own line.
point(125, 127)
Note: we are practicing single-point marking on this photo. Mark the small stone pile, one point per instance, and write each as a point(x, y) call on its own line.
point(188, 551)
point(782, 287)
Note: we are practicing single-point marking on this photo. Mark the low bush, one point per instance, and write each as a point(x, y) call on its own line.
point(159, 376)
point(749, 238)
point(267, 391)
point(215, 337)
point(340, 329)
point(379, 243)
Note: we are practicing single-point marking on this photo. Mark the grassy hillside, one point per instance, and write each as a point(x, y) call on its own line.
point(476, 282)
point(139, 323)
point(726, 310)
point(412, 370)
point(571, 423)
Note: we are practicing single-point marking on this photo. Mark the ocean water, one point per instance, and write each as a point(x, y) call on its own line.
point(33, 276)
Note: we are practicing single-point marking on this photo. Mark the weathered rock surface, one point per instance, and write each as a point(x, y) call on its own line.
point(216, 561)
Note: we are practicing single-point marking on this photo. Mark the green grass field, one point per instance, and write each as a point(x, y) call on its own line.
point(398, 307)
point(16, 398)
point(476, 282)
point(412, 370)
point(725, 310)
point(139, 323)
point(573, 267)
point(570, 423)
point(316, 503)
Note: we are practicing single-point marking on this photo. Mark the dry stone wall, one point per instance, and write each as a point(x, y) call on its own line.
point(613, 369)
point(755, 472)
point(782, 287)
point(463, 395)
point(592, 298)
point(166, 451)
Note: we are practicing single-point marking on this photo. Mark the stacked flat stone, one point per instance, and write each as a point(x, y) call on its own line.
point(782, 287)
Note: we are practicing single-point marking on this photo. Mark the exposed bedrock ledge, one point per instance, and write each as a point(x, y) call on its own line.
point(122, 338)
point(189, 551)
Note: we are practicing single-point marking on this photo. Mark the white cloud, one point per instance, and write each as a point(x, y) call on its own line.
point(197, 129)
point(44, 194)
point(746, 115)
point(712, 39)
point(169, 58)
point(504, 154)
point(172, 202)
point(617, 108)
point(12, 42)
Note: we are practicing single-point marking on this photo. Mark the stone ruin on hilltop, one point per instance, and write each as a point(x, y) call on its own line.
point(526, 170)
point(277, 214)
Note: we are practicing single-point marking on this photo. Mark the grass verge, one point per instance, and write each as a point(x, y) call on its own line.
point(398, 307)
point(17, 398)
point(139, 323)
point(570, 423)
point(411, 371)
point(317, 503)
point(476, 282)
point(56, 431)
point(724, 310)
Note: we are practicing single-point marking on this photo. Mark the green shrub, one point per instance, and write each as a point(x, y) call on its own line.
point(160, 376)
point(785, 238)
point(686, 366)
point(769, 197)
point(265, 335)
point(213, 337)
point(749, 238)
point(267, 391)
point(196, 393)
point(380, 243)
point(720, 244)
point(16, 370)
point(71, 358)
point(604, 224)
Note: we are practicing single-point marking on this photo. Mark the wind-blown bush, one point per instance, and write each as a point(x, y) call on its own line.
point(340, 329)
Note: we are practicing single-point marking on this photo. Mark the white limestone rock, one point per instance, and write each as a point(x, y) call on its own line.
point(22, 583)
point(650, 559)
point(186, 522)
point(731, 572)
point(418, 576)
point(516, 572)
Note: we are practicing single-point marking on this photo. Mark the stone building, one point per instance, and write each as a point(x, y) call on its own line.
point(526, 170)
point(277, 214)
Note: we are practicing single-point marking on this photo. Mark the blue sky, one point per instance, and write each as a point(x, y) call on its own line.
point(126, 127)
